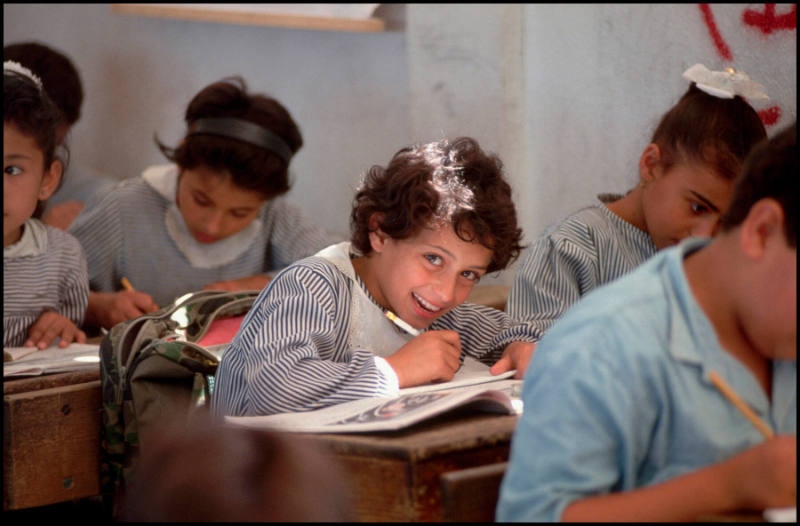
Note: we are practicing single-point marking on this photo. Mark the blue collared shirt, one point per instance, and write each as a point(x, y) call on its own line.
point(617, 395)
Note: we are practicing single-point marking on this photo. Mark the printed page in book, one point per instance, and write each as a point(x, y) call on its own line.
point(74, 357)
point(386, 414)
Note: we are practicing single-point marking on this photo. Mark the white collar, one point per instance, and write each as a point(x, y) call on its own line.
point(32, 242)
point(164, 180)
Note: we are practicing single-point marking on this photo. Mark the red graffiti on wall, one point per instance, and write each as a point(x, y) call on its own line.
point(766, 21)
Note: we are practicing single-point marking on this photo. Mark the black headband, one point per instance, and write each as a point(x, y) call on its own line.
point(244, 131)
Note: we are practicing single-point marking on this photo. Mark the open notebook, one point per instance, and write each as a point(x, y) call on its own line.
point(30, 361)
point(473, 388)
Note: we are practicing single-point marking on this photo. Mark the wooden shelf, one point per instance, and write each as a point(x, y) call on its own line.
point(320, 23)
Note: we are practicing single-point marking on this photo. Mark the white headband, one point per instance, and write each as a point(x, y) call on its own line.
point(725, 84)
point(16, 67)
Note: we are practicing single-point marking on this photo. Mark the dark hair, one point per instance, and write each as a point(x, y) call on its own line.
point(440, 182)
point(59, 76)
point(701, 127)
point(34, 114)
point(251, 167)
point(770, 171)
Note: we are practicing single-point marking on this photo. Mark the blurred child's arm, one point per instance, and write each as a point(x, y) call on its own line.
point(106, 309)
point(51, 325)
point(256, 282)
point(63, 214)
point(763, 476)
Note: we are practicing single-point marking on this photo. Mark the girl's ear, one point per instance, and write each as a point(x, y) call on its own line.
point(377, 237)
point(651, 157)
point(50, 180)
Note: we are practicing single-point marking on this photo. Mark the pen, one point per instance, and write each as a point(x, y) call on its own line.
point(126, 283)
point(400, 323)
point(731, 395)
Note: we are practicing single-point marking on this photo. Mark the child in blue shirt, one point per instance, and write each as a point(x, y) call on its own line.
point(622, 419)
point(424, 231)
point(686, 176)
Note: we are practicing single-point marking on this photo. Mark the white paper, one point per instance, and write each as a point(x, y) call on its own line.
point(74, 357)
point(388, 413)
point(781, 514)
point(472, 372)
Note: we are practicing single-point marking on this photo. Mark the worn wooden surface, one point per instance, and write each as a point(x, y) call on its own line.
point(396, 476)
point(51, 439)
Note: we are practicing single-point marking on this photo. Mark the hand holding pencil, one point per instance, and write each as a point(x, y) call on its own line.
point(431, 356)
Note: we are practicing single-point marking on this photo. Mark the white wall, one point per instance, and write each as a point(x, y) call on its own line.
point(568, 95)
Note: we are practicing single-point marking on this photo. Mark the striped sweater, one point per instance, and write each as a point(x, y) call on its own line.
point(589, 248)
point(292, 352)
point(53, 277)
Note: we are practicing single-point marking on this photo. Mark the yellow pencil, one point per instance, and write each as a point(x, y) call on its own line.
point(731, 395)
point(126, 283)
point(400, 323)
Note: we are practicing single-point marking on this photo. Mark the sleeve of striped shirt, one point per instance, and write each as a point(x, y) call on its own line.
point(292, 354)
point(553, 275)
point(74, 294)
point(294, 236)
point(100, 233)
point(485, 332)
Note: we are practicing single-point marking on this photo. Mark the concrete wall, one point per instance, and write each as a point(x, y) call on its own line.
point(568, 95)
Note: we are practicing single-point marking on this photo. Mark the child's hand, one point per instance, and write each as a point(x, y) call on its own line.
point(109, 308)
point(50, 325)
point(257, 282)
point(432, 356)
point(515, 356)
point(764, 476)
point(62, 215)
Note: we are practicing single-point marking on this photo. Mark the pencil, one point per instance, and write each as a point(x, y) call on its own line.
point(126, 283)
point(400, 323)
point(731, 395)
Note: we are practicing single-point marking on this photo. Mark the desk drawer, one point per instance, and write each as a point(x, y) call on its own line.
point(51, 445)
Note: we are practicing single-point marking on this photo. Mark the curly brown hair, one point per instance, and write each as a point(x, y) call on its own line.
point(441, 182)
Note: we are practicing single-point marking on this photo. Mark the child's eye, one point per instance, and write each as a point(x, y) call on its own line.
point(13, 170)
point(471, 275)
point(434, 259)
point(698, 208)
point(201, 201)
point(239, 214)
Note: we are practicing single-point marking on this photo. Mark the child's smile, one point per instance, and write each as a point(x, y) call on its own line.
point(424, 276)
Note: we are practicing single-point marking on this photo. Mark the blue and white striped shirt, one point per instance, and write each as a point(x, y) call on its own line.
point(589, 248)
point(292, 352)
point(51, 277)
point(125, 234)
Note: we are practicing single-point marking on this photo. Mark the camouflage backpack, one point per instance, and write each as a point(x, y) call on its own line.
point(152, 372)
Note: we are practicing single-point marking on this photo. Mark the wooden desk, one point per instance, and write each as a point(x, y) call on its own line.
point(397, 476)
point(51, 438)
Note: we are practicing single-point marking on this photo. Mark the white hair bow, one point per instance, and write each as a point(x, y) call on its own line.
point(16, 67)
point(725, 84)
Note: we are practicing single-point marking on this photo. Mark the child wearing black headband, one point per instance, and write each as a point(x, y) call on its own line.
point(213, 218)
